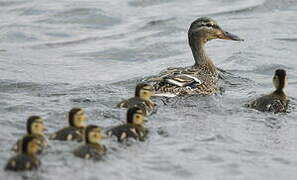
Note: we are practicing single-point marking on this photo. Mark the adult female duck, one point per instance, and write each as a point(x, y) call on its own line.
point(202, 77)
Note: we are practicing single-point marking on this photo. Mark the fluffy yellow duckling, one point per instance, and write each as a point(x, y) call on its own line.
point(132, 129)
point(26, 159)
point(92, 149)
point(74, 131)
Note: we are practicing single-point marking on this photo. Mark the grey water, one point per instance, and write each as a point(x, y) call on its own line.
point(59, 54)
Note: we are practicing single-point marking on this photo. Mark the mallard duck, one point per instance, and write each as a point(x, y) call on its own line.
point(202, 77)
point(142, 99)
point(92, 149)
point(74, 131)
point(35, 128)
point(277, 101)
point(26, 159)
point(132, 129)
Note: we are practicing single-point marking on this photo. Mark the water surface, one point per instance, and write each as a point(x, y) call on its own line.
point(55, 55)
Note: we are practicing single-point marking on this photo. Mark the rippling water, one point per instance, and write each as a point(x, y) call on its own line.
point(58, 54)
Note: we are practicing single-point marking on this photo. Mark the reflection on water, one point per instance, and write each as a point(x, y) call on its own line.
point(55, 55)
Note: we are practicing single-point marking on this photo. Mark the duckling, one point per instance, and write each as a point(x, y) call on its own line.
point(35, 127)
point(74, 131)
point(26, 159)
point(201, 78)
point(143, 93)
point(92, 149)
point(133, 129)
point(277, 101)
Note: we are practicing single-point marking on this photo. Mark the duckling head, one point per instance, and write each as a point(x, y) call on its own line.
point(93, 134)
point(30, 145)
point(35, 125)
point(135, 116)
point(144, 91)
point(77, 117)
point(204, 29)
point(280, 79)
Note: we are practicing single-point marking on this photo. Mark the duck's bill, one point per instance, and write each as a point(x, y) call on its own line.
point(229, 36)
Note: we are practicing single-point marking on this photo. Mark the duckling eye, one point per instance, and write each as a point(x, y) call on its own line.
point(208, 25)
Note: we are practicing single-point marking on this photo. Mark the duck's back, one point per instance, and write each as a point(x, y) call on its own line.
point(132, 102)
point(126, 131)
point(146, 107)
point(22, 162)
point(274, 102)
point(68, 134)
point(199, 79)
point(90, 151)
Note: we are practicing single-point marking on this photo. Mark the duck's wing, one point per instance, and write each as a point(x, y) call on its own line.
point(17, 146)
point(123, 132)
point(184, 81)
point(67, 134)
point(123, 104)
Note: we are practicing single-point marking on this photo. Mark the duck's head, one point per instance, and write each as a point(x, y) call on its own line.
point(204, 29)
point(135, 116)
point(93, 134)
point(280, 79)
point(144, 91)
point(77, 118)
point(35, 125)
point(30, 145)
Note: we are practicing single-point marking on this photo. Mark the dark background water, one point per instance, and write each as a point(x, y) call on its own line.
point(55, 55)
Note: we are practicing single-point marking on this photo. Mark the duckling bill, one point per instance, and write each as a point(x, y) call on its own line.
point(277, 101)
point(26, 159)
point(132, 129)
point(35, 127)
point(92, 149)
point(142, 99)
point(74, 132)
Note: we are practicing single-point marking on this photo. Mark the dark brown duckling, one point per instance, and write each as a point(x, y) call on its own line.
point(277, 101)
point(35, 127)
point(92, 149)
point(26, 159)
point(133, 129)
point(74, 132)
point(142, 99)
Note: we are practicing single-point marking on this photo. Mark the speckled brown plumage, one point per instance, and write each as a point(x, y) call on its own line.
point(202, 77)
point(274, 102)
point(208, 86)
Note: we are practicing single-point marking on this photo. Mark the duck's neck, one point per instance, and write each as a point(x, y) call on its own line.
point(92, 143)
point(280, 91)
point(199, 53)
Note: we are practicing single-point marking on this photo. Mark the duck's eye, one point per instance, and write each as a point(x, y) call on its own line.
point(208, 25)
